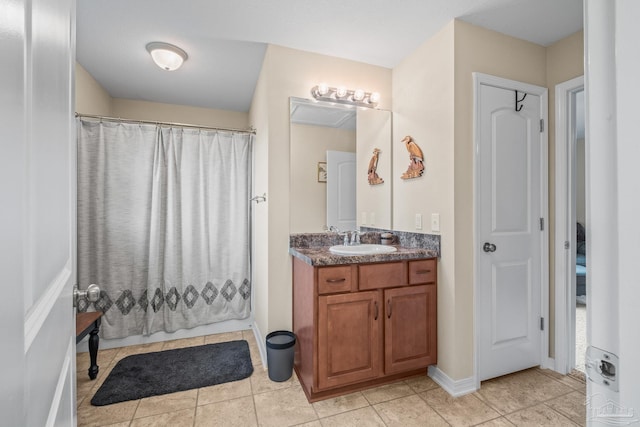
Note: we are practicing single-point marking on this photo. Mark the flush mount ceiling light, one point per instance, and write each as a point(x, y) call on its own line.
point(166, 56)
point(342, 95)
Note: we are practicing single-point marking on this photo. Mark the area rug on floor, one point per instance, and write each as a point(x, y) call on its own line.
point(169, 371)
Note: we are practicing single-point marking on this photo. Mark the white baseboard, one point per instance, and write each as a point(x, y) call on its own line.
point(549, 363)
point(455, 388)
point(214, 328)
point(261, 344)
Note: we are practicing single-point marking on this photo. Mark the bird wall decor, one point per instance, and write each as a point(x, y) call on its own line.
point(416, 166)
point(373, 177)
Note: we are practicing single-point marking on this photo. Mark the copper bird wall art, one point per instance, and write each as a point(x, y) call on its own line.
point(372, 175)
point(416, 166)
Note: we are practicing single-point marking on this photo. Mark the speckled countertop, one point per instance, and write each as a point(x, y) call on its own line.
point(321, 256)
point(313, 248)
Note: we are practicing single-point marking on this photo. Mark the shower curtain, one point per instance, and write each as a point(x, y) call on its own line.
point(163, 225)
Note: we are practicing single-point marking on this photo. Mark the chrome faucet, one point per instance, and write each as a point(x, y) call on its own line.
point(355, 237)
point(346, 238)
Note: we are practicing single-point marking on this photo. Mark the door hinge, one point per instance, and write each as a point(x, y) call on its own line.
point(541, 224)
point(542, 323)
point(541, 125)
point(566, 244)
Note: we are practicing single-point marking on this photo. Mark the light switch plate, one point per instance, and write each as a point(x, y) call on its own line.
point(372, 218)
point(363, 220)
point(435, 222)
point(418, 221)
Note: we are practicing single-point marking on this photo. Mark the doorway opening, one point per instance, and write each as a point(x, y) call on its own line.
point(571, 290)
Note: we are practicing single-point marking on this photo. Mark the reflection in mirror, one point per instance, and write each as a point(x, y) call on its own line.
point(319, 127)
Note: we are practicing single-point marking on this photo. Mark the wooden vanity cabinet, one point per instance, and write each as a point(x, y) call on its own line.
point(349, 338)
point(362, 325)
point(409, 328)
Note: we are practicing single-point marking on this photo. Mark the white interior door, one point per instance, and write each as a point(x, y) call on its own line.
point(341, 190)
point(37, 257)
point(509, 234)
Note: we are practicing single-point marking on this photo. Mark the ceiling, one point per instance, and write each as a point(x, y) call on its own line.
point(226, 40)
point(307, 112)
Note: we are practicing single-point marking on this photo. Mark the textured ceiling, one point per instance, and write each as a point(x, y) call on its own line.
point(226, 40)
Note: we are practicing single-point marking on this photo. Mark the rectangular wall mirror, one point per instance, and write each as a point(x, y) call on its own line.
point(346, 200)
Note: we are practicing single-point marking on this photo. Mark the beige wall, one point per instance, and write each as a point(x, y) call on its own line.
point(285, 73)
point(91, 98)
point(155, 111)
point(259, 118)
point(423, 95)
point(309, 145)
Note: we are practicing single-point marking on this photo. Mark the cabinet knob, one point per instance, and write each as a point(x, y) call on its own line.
point(388, 309)
point(375, 306)
point(336, 280)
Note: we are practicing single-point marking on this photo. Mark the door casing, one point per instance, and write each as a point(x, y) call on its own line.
point(564, 279)
point(478, 80)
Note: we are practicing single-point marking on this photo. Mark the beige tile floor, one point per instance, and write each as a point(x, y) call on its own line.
point(533, 397)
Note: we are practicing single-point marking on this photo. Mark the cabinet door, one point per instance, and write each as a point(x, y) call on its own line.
point(349, 342)
point(410, 328)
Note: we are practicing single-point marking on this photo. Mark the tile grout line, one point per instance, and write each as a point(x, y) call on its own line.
point(434, 409)
point(560, 413)
point(542, 402)
point(253, 399)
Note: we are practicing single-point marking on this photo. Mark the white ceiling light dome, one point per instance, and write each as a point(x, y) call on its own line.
point(167, 56)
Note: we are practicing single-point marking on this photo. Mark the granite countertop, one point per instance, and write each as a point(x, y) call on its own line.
point(320, 255)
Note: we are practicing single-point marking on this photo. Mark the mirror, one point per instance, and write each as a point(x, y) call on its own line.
point(317, 127)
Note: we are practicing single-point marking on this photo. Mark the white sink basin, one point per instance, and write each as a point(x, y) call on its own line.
point(364, 249)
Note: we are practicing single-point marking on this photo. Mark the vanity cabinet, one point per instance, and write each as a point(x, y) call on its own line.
point(361, 325)
point(409, 328)
point(349, 338)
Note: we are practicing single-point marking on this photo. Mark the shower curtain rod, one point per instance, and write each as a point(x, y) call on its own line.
point(149, 122)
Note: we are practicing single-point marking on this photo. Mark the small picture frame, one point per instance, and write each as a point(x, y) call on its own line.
point(322, 171)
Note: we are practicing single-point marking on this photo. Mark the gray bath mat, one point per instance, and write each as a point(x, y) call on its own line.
point(169, 371)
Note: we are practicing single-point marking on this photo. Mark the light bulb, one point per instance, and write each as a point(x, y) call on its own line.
point(341, 92)
point(358, 95)
point(374, 98)
point(323, 89)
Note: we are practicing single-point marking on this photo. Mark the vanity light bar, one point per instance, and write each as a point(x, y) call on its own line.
point(342, 95)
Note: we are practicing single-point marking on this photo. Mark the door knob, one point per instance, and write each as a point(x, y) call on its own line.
point(489, 247)
point(92, 294)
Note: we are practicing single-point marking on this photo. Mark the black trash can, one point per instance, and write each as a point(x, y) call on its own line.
point(280, 351)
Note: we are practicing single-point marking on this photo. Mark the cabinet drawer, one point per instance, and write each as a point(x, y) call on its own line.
point(423, 271)
point(378, 276)
point(334, 279)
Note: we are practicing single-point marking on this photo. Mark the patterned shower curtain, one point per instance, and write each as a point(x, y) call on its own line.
point(163, 225)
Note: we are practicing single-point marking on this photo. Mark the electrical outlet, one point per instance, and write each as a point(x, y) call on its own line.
point(418, 221)
point(363, 220)
point(435, 222)
point(372, 218)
